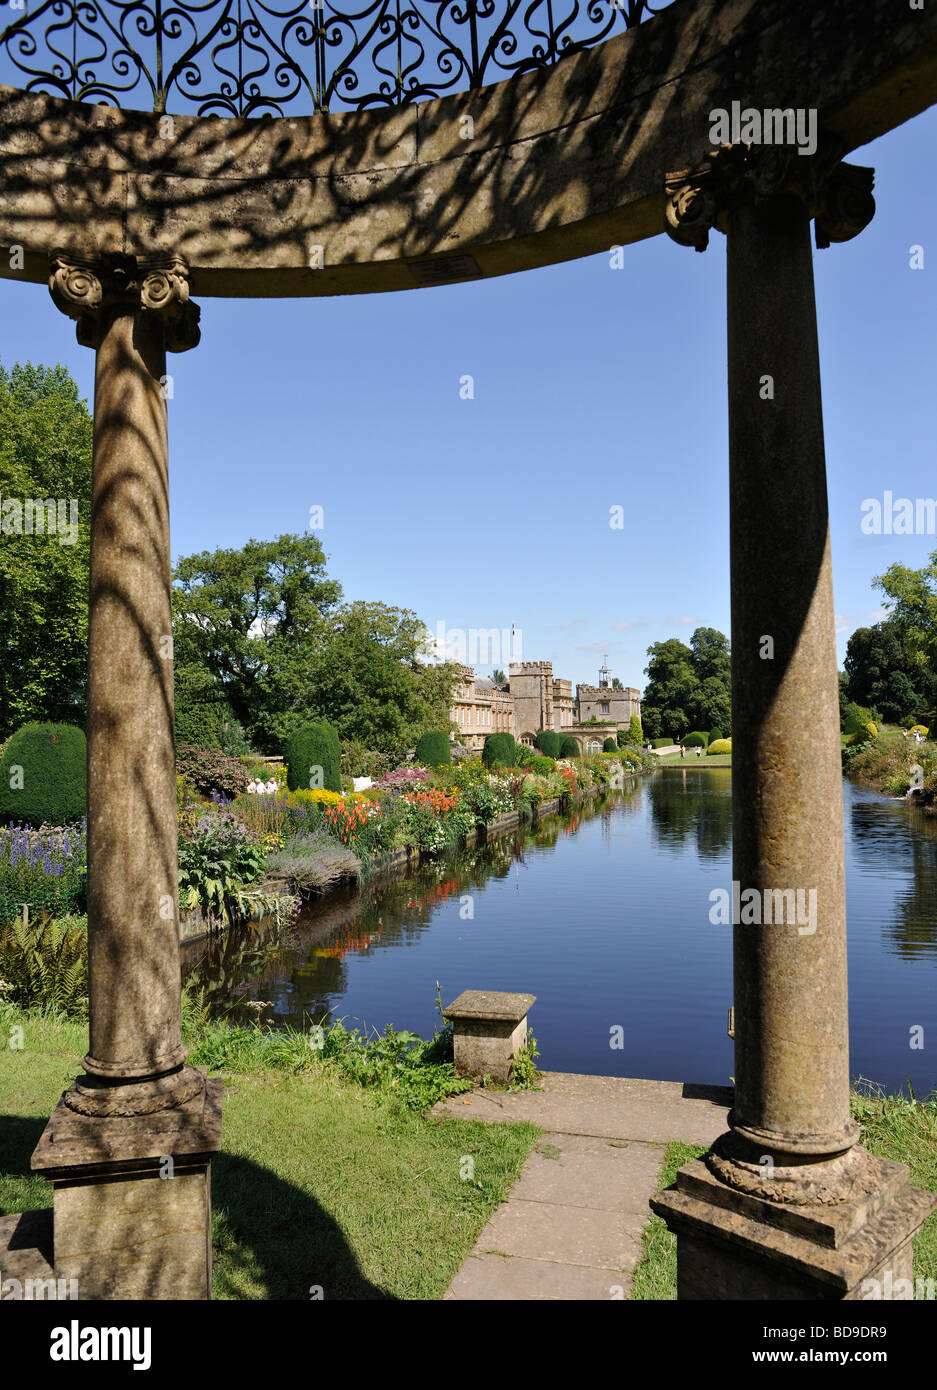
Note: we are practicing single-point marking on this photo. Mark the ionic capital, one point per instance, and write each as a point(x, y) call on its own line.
point(82, 289)
point(837, 195)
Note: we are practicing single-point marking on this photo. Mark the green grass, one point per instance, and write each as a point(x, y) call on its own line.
point(717, 759)
point(321, 1183)
point(895, 1127)
point(655, 1276)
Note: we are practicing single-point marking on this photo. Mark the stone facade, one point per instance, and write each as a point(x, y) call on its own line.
point(537, 700)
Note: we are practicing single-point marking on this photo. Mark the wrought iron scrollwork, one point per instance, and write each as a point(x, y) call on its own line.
point(257, 57)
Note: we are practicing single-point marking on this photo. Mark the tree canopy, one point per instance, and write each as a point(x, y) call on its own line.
point(688, 686)
point(45, 453)
point(268, 628)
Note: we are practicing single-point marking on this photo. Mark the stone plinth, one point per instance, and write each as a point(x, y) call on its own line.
point(489, 1029)
point(132, 1198)
point(733, 1245)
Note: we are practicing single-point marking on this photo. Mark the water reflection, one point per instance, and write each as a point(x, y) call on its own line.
point(604, 915)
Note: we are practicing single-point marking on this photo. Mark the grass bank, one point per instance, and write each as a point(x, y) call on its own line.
point(691, 760)
point(322, 1182)
point(895, 1127)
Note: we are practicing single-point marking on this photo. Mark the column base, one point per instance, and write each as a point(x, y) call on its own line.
point(132, 1198)
point(733, 1245)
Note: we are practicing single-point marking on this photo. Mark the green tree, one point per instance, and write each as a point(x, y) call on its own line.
point(256, 620)
point(882, 672)
point(672, 686)
point(45, 452)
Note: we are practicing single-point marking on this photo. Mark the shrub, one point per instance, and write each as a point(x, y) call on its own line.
point(314, 746)
point(45, 964)
point(199, 723)
point(866, 733)
point(499, 749)
point(432, 749)
point(51, 789)
point(569, 748)
point(856, 716)
point(918, 729)
point(610, 746)
point(696, 740)
point(209, 770)
point(548, 741)
point(543, 766)
point(635, 735)
point(719, 745)
point(524, 755)
point(716, 733)
point(661, 742)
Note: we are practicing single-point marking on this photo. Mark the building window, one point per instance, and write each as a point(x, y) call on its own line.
point(605, 707)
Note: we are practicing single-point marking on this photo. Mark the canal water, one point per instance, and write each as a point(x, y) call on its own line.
point(604, 915)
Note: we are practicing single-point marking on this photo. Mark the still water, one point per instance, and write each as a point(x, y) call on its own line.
point(604, 916)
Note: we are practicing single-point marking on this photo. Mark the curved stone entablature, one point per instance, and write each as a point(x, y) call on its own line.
point(541, 168)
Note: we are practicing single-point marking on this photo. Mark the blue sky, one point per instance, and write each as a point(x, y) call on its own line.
point(593, 387)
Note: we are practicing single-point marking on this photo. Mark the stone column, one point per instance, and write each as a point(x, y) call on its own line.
point(786, 1203)
point(137, 1103)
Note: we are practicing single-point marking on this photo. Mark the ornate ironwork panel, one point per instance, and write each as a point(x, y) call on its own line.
point(251, 58)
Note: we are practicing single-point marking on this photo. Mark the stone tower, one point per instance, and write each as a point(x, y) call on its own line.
point(532, 691)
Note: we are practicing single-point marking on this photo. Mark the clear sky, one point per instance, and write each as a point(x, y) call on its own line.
point(593, 388)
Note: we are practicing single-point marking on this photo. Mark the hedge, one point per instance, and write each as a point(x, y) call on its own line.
point(857, 716)
point(696, 740)
point(610, 746)
point(46, 764)
point(432, 749)
point(716, 733)
point(313, 758)
point(499, 749)
point(548, 741)
point(569, 748)
point(661, 742)
point(719, 745)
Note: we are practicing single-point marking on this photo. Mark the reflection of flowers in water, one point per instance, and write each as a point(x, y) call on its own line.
point(348, 937)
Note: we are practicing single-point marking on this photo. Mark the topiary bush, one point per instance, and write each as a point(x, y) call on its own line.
point(719, 745)
point(499, 749)
point(548, 741)
point(610, 746)
point(198, 723)
point(313, 758)
point(716, 733)
point(856, 716)
point(43, 775)
point(866, 733)
point(661, 742)
point(696, 740)
point(432, 749)
point(569, 748)
point(209, 770)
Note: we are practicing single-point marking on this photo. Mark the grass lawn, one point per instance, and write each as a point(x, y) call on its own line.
point(320, 1182)
point(691, 760)
point(892, 1127)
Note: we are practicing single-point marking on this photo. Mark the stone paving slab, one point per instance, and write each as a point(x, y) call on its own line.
point(492, 1277)
point(602, 1174)
point(614, 1107)
point(571, 1226)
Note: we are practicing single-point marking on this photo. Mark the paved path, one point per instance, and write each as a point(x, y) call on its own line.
point(571, 1226)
